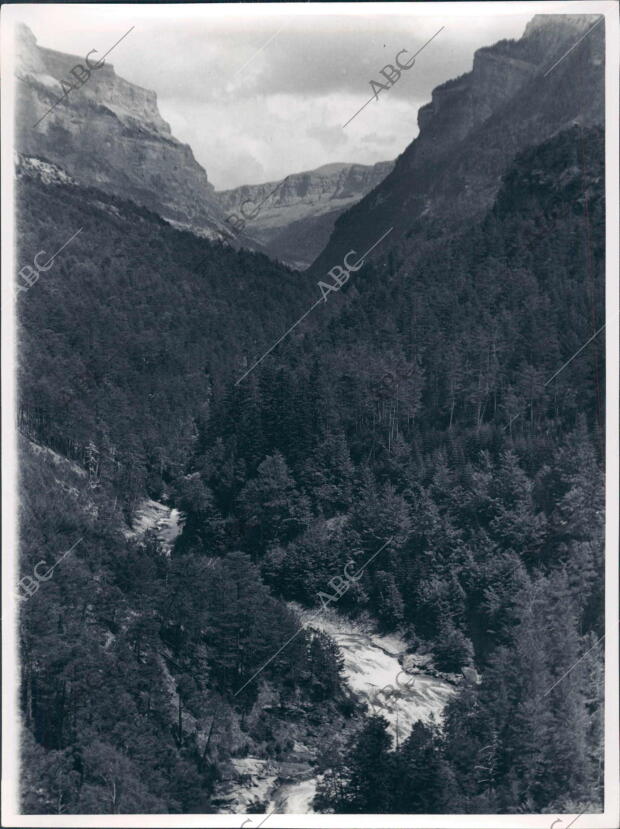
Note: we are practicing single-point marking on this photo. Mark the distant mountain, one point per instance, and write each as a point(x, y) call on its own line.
point(418, 414)
point(518, 93)
point(294, 221)
point(109, 134)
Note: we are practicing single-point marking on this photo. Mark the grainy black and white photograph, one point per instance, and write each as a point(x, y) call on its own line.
point(310, 425)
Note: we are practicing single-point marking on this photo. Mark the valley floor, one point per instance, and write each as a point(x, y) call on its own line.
point(372, 662)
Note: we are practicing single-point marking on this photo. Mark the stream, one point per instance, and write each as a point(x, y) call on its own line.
point(371, 662)
point(162, 520)
point(373, 669)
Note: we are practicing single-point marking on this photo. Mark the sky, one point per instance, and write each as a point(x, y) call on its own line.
point(260, 91)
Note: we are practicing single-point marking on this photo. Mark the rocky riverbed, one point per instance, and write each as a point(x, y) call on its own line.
point(373, 663)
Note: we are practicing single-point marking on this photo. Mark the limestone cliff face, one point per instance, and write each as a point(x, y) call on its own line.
point(499, 72)
point(293, 218)
point(476, 124)
point(109, 134)
point(459, 106)
point(318, 188)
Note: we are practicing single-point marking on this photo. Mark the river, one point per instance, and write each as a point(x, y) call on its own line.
point(371, 663)
point(373, 669)
point(162, 520)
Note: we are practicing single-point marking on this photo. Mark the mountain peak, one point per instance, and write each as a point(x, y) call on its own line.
point(476, 124)
point(576, 23)
point(108, 133)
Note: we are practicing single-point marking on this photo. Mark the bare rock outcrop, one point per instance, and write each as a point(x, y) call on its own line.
point(109, 134)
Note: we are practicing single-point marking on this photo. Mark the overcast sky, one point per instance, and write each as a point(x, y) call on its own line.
point(259, 92)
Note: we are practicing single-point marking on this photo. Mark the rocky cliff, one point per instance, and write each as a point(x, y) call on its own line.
point(109, 134)
point(515, 96)
point(293, 218)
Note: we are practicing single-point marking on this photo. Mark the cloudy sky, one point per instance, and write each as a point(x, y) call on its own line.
point(261, 91)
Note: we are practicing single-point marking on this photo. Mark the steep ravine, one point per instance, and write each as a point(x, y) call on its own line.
point(377, 668)
point(371, 663)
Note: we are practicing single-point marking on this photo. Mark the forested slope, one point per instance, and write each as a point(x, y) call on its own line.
point(428, 408)
point(418, 406)
point(131, 661)
point(127, 334)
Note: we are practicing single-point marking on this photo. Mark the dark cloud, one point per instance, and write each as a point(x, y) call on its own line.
point(313, 56)
point(260, 95)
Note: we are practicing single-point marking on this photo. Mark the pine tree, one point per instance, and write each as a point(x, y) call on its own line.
point(273, 511)
point(365, 781)
point(419, 772)
point(387, 599)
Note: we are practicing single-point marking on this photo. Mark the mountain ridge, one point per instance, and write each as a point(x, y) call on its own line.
point(293, 218)
point(119, 143)
point(474, 126)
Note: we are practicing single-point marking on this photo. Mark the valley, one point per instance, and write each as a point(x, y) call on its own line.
point(371, 662)
point(442, 410)
point(294, 218)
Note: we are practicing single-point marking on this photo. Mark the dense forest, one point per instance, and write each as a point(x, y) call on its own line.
point(432, 402)
point(123, 340)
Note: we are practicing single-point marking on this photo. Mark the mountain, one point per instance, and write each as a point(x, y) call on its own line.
point(294, 217)
point(165, 317)
point(108, 134)
point(410, 447)
point(514, 97)
point(439, 408)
